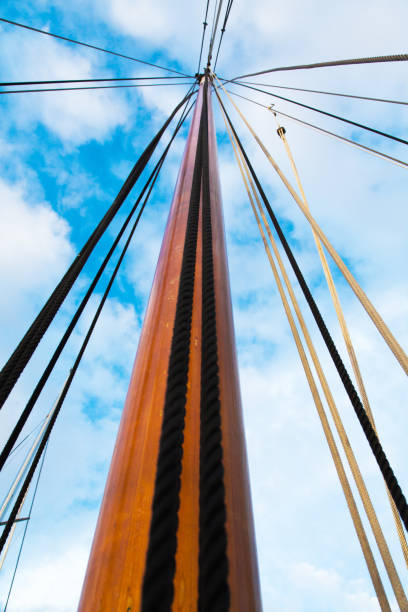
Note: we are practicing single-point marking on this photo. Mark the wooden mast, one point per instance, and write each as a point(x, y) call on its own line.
point(116, 567)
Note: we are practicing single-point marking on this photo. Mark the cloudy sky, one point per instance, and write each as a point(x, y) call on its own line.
point(63, 158)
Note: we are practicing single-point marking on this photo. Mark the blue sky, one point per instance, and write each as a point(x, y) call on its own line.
point(63, 158)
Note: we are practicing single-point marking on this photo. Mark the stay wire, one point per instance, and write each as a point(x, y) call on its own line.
point(77, 42)
point(25, 528)
point(61, 399)
point(18, 91)
point(15, 83)
point(205, 24)
point(213, 34)
point(361, 414)
point(363, 60)
point(227, 12)
point(353, 143)
point(327, 114)
point(6, 451)
point(328, 93)
point(25, 349)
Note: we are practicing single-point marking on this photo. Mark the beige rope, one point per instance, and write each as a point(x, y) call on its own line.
point(369, 509)
point(372, 568)
point(372, 312)
point(345, 332)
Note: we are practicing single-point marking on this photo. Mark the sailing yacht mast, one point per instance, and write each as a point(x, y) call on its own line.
point(180, 536)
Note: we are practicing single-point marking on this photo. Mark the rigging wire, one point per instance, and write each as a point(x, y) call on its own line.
point(355, 515)
point(25, 528)
point(322, 112)
point(77, 42)
point(353, 143)
point(44, 377)
point(15, 83)
point(361, 414)
point(213, 33)
point(227, 12)
point(25, 349)
point(362, 60)
point(47, 433)
point(205, 24)
point(383, 329)
point(328, 93)
point(17, 91)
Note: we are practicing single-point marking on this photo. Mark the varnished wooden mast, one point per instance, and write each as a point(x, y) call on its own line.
point(116, 566)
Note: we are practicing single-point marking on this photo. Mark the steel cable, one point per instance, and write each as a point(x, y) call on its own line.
point(328, 93)
point(363, 60)
point(353, 143)
point(332, 115)
point(77, 42)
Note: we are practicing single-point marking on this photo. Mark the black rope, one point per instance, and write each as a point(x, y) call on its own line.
point(362, 416)
point(15, 83)
point(6, 451)
point(57, 409)
point(18, 91)
point(362, 60)
point(328, 93)
point(213, 590)
point(224, 25)
point(77, 42)
point(205, 24)
point(19, 359)
point(158, 588)
point(322, 112)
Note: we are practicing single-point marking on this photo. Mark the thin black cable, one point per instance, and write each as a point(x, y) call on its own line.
point(51, 423)
point(327, 114)
point(24, 440)
point(18, 91)
point(25, 529)
point(15, 83)
point(372, 438)
point(77, 42)
point(327, 132)
point(205, 24)
point(6, 451)
point(328, 93)
point(20, 357)
point(213, 589)
point(18, 520)
point(362, 60)
point(214, 32)
point(224, 25)
point(158, 587)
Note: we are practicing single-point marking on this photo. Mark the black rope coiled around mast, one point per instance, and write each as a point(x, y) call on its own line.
point(158, 589)
point(213, 589)
point(372, 438)
point(22, 354)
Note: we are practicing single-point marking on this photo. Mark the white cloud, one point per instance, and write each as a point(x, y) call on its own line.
point(34, 245)
point(309, 555)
